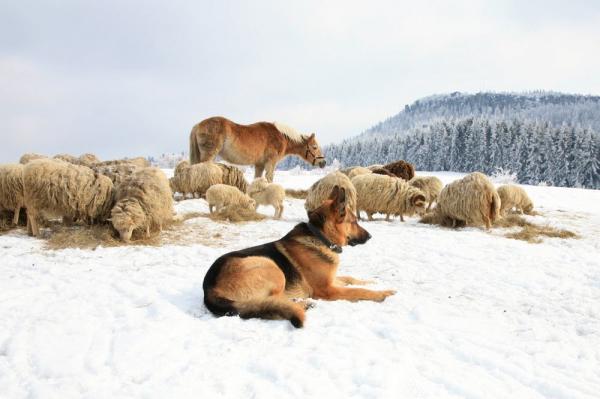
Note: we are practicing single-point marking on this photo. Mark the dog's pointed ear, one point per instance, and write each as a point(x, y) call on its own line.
point(339, 202)
point(334, 193)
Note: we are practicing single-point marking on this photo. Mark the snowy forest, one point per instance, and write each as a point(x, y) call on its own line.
point(543, 138)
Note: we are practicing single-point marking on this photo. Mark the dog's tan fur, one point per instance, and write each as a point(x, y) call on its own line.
point(260, 144)
point(256, 286)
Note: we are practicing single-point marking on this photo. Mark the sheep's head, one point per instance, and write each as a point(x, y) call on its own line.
point(173, 184)
point(251, 203)
point(417, 202)
point(181, 166)
point(259, 184)
point(126, 216)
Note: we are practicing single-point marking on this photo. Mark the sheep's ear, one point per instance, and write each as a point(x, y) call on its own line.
point(418, 199)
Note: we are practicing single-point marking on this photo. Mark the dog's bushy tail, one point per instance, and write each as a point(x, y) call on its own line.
point(272, 309)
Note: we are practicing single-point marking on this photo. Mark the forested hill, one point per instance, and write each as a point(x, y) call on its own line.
point(555, 108)
point(542, 138)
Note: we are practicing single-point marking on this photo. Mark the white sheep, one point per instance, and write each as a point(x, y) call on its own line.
point(222, 195)
point(195, 179)
point(472, 200)
point(265, 193)
point(140, 162)
point(11, 189)
point(116, 172)
point(357, 171)
point(30, 157)
point(143, 203)
point(430, 185)
point(512, 196)
point(388, 195)
point(57, 188)
point(320, 190)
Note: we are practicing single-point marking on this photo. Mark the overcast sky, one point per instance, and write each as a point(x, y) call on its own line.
point(125, 78)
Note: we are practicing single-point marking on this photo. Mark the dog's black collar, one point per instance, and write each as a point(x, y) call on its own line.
point(317, 233)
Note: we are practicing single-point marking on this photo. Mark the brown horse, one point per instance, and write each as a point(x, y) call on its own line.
point(262, 144)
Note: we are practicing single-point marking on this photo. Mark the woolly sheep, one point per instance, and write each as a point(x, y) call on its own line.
point(382, 171)
point(140, 162)
point(224, 195)
point(11, 189)
point(265, 193)
point(359, 170)
point(54, 187)
point(512, 196)
point(233, 176)
point(472, 200)
point(67, 158)
point(320, 190)
point(388, 195)
point(430, 185)
point(143, 203)
point(402, 169)
point(195, 179)
point(30, 157)
point(117, 172)
point(88, 159)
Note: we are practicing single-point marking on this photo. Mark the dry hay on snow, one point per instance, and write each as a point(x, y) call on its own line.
point(237, 214)
point(58, 236)
point(531, 232)
point(299, 194)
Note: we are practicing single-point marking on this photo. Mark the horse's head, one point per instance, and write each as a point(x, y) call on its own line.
point(313, 151)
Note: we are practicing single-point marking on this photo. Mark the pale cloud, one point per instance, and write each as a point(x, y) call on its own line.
point(125, 78)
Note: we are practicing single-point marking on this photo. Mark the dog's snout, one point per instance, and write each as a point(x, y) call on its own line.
point(369, 236)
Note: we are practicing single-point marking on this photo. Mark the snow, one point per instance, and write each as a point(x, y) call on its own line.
point(476, 315)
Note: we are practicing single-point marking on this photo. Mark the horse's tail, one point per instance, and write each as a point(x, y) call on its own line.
point(194, 150)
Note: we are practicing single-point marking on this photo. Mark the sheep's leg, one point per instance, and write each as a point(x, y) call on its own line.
point(32, 225)
point(148, 231)
point(16, 217)
point(387, 217)
point(67, 221)
point(428, 206)
point(401, 217)
point(210, 208)
point(280, 211)
point(370, 216)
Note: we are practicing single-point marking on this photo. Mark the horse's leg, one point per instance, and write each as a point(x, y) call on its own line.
point(258, 170)
point(270, 171)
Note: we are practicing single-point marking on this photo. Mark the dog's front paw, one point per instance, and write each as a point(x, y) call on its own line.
point(384, 294)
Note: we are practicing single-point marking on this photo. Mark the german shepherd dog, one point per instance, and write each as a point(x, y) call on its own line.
point(261, 281)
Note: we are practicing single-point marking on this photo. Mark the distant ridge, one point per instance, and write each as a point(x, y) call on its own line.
point(553, 107)
point(541, 137)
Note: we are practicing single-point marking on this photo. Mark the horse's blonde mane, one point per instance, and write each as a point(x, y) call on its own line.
point(289, 132)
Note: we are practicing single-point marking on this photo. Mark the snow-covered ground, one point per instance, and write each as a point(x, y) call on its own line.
point(476, 315)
